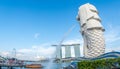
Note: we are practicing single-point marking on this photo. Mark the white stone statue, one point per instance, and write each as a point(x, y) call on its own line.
point(91, 30)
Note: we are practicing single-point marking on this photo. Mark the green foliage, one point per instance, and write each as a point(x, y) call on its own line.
point(98, 64)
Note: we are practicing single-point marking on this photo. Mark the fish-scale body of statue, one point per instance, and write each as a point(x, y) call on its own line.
point(91, 30)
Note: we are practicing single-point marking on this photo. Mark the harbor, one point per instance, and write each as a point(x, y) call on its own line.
point(59, 34)
point(33, 65)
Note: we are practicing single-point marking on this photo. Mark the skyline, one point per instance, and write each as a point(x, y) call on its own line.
point(29, 25)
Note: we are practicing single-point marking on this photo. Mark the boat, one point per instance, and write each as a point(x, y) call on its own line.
point(33, 66)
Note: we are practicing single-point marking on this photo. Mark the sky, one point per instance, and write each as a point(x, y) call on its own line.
point(31, 26)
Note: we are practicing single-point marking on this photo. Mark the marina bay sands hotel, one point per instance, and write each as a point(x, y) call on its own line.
point(67, 50)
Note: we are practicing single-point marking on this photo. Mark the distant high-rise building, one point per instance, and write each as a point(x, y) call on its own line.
point(67, 51)
point(58, 52)
point(77, 50)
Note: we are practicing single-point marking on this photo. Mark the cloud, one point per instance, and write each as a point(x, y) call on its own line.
point(25, 50)
point(36, 51)
point(5, 53)
point(49, 51)
point(36, 35)
point(74, 41)
point(112, 34)
point(112, 38)
point(109, 49)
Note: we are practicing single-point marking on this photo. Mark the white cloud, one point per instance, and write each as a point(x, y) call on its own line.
point(113, 49)
point(32, 53)
point(5, 53)
point(46, 51)
point(25, 50)
point(36, 35)
point(36, 51)
point(74, 41)
point(112, 38)
point(112, 34)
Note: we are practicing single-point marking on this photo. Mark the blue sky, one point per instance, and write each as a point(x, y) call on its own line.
point(29, 24)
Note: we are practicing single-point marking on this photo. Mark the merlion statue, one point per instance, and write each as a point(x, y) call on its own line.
point(91, 30)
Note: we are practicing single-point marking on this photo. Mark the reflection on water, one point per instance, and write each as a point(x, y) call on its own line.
point(54, 65)
point(46, 65)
